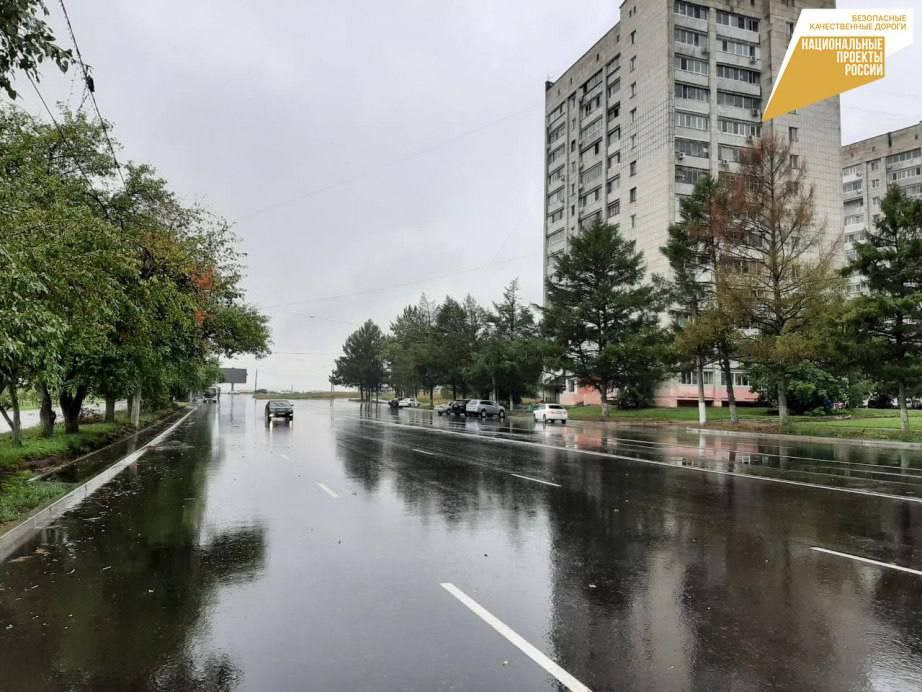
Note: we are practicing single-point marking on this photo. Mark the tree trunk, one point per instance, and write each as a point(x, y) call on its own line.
point(603, 395)
point(702, 406)
point(46, 412)
point(782, 402)
point(731, 394)
point(70, 407)
point(904, 410)
point(14, 422)
point(136, 408)
point(431, 395)
point(110, 408)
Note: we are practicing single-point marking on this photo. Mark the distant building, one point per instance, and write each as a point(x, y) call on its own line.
point(673, 92)
point(870, 168)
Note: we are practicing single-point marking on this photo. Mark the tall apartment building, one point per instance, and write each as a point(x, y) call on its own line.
point(674, 91)
point(870, 168)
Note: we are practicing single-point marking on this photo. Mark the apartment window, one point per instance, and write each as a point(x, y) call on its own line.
point(740, 48)
point(557, 153)
point(856, 170)
point(633, 194)
point(691, 377)
point(692, 121)
point(689, 9)
point(737, 21)
point(905, 173)
point(853, 186)
point(572, 145)
point(614, 159)
point(556, 133)
point(875, 165)
point(731, 154)
point(739, 128)
point(591, 131)
point(614, 88)
point(740, 74)
point(691, 147)
point(690, 92)
point(633, 89)
point(795, 161)
point(592, 104)
point(633, 221)
point(689, 176)
point(687, 64)
point(633, 141)
point(613, 185)
point(691, 38)
point(875, 184)
point(903, 156)
point(633, 37)
point(614, 111)
point(593, 82)
point(590, 197)
point(852, 219)
point(556, 216)
point(633, 168)
point(555, 237)
point(740, 379)
point(633, 63)
point(793, 134)
point(590, 173)
point(614, 208)
point(555, 176)
point(734, 100)
point(614, 136)
point(556, 196)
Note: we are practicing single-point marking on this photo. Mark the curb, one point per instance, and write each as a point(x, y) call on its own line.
point(19, 534)
point(879, 444)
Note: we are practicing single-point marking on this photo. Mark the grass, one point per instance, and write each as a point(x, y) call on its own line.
point(683, 414)
point(18, 496)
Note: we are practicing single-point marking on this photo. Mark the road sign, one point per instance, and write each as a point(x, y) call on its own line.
point(234, 375)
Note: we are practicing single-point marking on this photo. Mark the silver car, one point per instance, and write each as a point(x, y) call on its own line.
point(484, 408)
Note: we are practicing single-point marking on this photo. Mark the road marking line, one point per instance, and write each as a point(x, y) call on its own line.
point(536, 480)
point(532, 652)
point(423, 451)
point(285, 457)
point(867, 560)
point(611, 455)
point(327, 490)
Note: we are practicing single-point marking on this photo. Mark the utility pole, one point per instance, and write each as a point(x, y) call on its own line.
point(256, 382)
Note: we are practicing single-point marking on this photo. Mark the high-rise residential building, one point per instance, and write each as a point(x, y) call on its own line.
point(870, 168)
point(675, 91)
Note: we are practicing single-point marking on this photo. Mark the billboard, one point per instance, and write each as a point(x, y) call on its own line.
point(234, 375)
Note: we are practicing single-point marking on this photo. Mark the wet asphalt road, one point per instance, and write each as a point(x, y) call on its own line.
point(313, 557)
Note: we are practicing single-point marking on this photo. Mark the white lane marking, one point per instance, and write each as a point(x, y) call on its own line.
point(285, 457)
point(533, 653)
point(327, 490)
point(610, 455)
point(867, 560)
point(423, 451)
point(535, 480)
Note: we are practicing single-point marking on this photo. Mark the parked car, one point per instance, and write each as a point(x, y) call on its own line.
point(484, 408)
point(454, 408)
point(550, 413)
point(409, 402)
point(280, 408)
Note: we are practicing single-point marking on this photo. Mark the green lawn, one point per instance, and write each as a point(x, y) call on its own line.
point(18, 496)
point(688, 414)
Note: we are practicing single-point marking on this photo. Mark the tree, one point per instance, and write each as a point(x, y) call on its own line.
point(362, 363)
point(780, 267)
point(888, 319)
point(603, 317)
point(413, 351)
point(26, 41)
point(696, 250)
point(512, 354)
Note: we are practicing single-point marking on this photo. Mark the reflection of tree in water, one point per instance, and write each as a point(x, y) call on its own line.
point(124, 584)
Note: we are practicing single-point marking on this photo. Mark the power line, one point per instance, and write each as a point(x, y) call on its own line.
point(88, 81)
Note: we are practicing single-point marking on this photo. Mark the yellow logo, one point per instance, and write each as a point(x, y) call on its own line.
point(834, 51)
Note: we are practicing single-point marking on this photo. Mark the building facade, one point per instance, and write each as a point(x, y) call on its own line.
point(870, 168)
point(674, 91)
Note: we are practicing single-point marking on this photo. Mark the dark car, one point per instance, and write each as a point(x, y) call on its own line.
point(280, 408)
point(394, 404)
point(457, 407)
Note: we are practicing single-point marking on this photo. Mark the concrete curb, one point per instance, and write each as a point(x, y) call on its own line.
point(19, 534)
point(879, 444)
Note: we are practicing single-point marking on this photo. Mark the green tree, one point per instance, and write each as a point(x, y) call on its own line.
point(887, 321)
point(26, 41)
point(603, 317)
point(780, 278)
point(362, 363)
point(696, 250)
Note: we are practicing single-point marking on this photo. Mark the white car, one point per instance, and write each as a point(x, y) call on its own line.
point(548, 413)
point(408, 402)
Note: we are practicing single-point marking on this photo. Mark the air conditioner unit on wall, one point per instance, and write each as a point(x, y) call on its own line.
point(756, 112)
point(681, 156)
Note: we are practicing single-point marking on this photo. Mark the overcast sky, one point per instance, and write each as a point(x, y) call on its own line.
point(367, 151)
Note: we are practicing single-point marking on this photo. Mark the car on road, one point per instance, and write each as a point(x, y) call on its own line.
point(550, 413)
point(452, 408)
point(484, 408)
point(211, 395)
point(280, 408)
point(409, 402)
